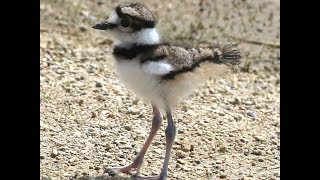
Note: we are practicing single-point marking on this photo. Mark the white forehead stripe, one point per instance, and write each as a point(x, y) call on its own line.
point(158, 68)
point(113, 18)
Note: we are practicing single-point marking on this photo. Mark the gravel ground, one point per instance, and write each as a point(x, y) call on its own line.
point(228, 129)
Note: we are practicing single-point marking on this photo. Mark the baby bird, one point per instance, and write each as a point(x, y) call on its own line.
point(160, 73)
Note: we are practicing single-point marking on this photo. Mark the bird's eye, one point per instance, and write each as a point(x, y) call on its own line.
point(125, 22)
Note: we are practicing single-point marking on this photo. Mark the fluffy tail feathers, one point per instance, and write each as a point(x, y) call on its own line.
point(228, 55)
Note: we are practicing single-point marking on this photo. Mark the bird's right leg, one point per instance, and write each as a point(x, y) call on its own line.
point(137, 162)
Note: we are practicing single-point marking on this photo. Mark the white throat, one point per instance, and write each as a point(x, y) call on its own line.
point(144, 36)
point(148, 36)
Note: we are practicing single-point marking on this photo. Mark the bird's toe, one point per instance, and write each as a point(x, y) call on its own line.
point(139, 177)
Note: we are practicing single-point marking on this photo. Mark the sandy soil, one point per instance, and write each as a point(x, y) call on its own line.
point(228, 129)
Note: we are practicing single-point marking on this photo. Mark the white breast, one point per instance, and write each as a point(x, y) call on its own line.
point(145, 80)
point(140, 79)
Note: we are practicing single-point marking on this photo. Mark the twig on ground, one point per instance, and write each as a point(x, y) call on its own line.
point(267, 43)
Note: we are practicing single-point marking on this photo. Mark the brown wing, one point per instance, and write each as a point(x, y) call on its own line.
point(187, 59)
point(178, 57)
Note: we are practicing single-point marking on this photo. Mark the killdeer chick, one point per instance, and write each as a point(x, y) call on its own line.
point(160, 73)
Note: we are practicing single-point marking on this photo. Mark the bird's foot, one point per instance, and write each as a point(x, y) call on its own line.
point(124, 169)
point(157, 177)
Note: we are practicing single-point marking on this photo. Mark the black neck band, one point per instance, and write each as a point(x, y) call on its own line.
point(133, 51)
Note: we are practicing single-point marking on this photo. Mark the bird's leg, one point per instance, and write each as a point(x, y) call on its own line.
point(137, 162)
point(170, 135)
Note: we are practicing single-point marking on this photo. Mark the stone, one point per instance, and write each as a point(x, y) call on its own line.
point(54, 153)
point(251, 114)
point(127, 127)
point(181, 161)
point(133, 110)
point(98, 84)
point(222, 149)
point(185, 148)
point(180, 154)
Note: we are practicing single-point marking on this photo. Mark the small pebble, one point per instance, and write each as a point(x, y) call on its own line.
point(222, 176)
point(79, 78)
point(257, 152)
point(186, 168)
point(184, 108)
point(127, 127)
point(248, 102)
point(93, 114)
point(98, 84)
point(186, 148)
point(191, 147)
point(236, 101)
point(54, 153)
point(218, 162)
point(108, 146)
point(133, 110)
point(157, 151)
point(112, 173)
point(242, 140)
point(222, 149)
point(221, 113)
point(260, 138)
point(83, 29)
point(181, 161)
point(101, 98)
point(251, 114)
point(80, 102)
point(180, 154)
point(99, 3)
point(238, 117)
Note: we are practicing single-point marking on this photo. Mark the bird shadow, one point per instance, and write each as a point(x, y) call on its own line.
point(104, 177)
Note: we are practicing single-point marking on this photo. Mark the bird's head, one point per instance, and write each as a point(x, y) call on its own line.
point(131, 23)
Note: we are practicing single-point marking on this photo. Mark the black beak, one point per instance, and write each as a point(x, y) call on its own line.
point(104, 26)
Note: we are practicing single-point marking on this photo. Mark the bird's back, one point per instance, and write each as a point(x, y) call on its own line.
point(190, 67)
point(184, 60)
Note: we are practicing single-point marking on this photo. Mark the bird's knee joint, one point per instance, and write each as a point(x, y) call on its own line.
point(156, 123)
point(171, 131)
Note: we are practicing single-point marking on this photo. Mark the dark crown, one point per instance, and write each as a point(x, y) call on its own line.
point(137, 12)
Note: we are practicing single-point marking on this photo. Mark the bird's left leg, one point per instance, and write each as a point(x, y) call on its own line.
point(137, 162)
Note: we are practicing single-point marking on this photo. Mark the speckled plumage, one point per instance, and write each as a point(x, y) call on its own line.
point(137, 12)
point(180, 58)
